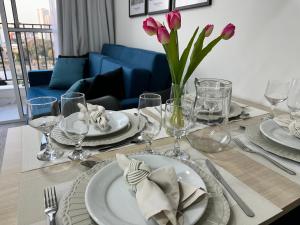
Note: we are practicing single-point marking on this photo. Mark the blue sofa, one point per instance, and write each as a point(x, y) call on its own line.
point(142, 71)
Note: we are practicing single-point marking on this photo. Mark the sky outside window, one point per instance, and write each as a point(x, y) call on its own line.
point(28, 10)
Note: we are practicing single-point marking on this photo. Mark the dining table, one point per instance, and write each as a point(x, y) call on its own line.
point(268, 190)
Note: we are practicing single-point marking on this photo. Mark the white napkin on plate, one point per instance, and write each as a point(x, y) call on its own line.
point(284, 120)
point(159, 194)
point(98, 116)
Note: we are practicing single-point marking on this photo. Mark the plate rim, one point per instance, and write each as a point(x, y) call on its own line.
point(272, 138)
point(141, 155)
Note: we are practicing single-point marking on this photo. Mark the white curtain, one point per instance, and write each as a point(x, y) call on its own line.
point(81, 26)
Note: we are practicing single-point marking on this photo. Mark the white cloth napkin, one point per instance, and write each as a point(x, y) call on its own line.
point(98, 116)
point(293, 125)
point(158, 193)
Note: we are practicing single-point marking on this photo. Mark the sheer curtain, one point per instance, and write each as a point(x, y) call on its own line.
point(81, 26)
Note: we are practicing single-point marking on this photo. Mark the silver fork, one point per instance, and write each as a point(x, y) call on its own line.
point(51, 205)
point(242, 146)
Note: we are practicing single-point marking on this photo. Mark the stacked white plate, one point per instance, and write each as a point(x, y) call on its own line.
point(279, 135)
point(107, 189)
point(122, 126)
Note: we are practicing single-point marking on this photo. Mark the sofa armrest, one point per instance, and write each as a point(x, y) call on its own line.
point(39, 77)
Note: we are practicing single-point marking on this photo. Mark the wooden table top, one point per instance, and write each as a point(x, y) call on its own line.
point(278, 189)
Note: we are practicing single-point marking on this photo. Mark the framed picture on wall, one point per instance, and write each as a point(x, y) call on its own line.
point(159, 6)
point(184, 4)
point(137, 8)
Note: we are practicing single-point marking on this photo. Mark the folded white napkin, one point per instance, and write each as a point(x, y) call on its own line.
point(97, 115)
point(284, 120)
point(159, 194)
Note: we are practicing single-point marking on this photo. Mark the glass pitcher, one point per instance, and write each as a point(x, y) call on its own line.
point(212, 101)
point(211, 107)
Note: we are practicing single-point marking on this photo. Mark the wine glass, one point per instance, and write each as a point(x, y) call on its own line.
point(75, 122)
point(153, 121)
point(178, 119)
point(44, 115)
point(276, 92)
point(294, 99)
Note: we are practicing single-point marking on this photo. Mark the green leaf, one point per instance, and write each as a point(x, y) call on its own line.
point(185, 54)
point(199, 57)
point(169, 62)
point(198, 45)
point(173, 55)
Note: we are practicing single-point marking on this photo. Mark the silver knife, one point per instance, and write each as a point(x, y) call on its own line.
point(234, 195)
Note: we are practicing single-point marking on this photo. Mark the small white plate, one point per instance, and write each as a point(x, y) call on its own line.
point(108, 200)
point(235, 110)
point(117, 121)
point(278, 134)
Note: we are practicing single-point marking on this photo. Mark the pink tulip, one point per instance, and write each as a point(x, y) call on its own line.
point(163, 35)
point(228, 31)
point(174, 20)
point(208, 29)
point(150, 26)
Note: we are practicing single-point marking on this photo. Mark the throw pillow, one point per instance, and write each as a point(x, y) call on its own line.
point(86, 72)
point(110, 83)
point(66, 72)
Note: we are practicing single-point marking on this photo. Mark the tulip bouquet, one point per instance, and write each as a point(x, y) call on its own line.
point(177, 64)
point(169, 40)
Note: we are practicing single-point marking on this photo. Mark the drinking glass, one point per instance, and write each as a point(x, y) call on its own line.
point(44, 115)
point(293, 101)
point(75, 122)
point(177, 120)
point(276, 92)
point(153, 121)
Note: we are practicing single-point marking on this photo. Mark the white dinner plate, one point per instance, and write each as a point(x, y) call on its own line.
point(109, 202)
point(280, 135)
point(117, 121)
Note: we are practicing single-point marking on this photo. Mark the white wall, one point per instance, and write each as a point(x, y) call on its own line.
point(266, 44)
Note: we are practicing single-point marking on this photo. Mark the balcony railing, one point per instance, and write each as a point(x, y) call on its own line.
point(37, 46)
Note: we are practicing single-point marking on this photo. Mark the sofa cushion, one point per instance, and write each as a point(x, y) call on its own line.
point(110, 83)
point(86, 66)
point(154, 62)
point(39, 77)
point(136, 80)
point(66, 72)
point(95, 63)
point(42, 91)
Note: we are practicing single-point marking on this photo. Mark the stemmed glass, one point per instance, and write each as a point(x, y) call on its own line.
point(44, 115)
point(75, 122)
point(178, 119)
point(276, 92)
point(294, 99)
point(153, 121)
